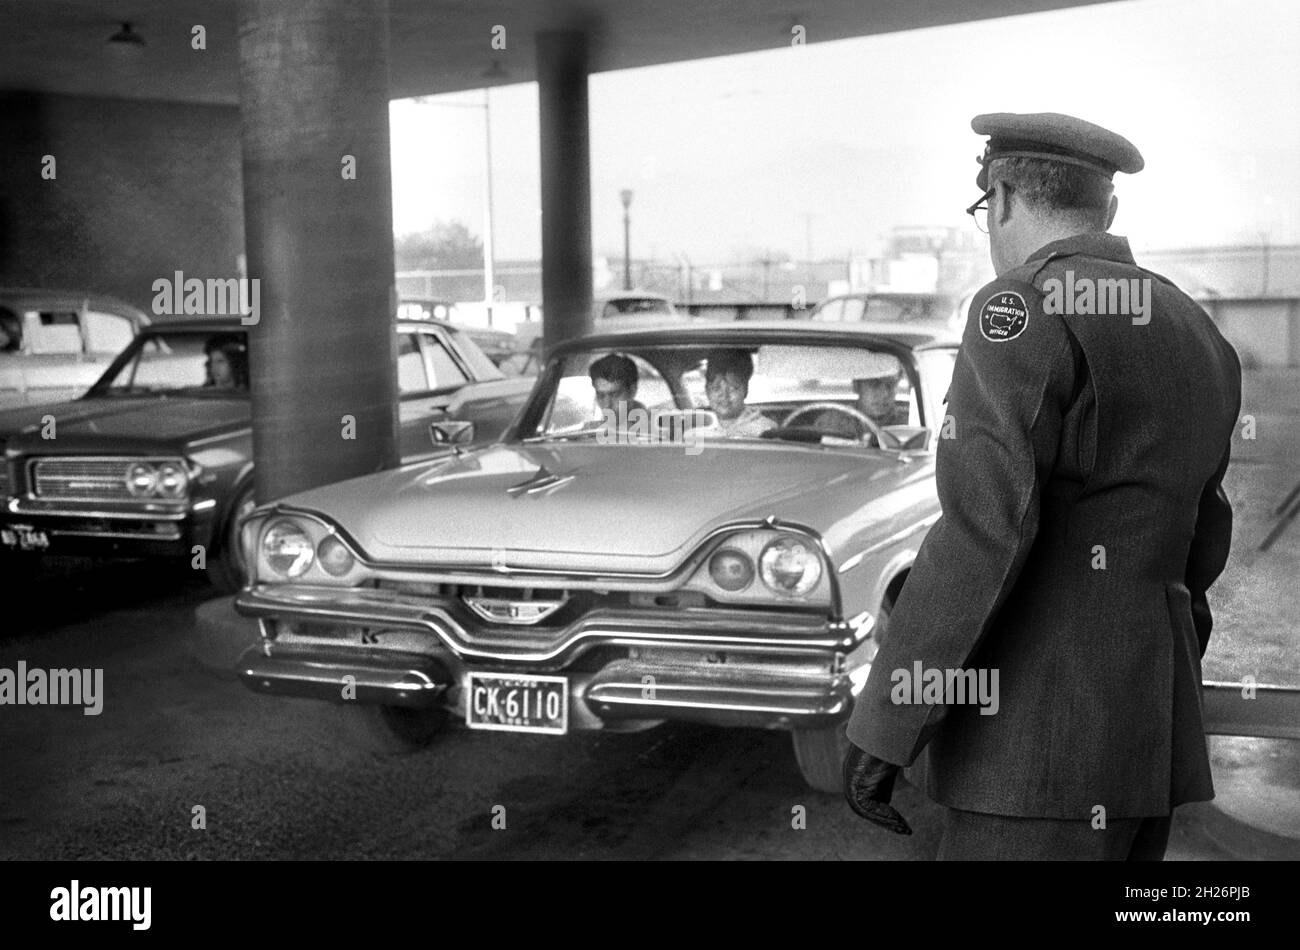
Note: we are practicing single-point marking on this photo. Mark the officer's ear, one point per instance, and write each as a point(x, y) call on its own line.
point(1000, 204)
point(1110, 215)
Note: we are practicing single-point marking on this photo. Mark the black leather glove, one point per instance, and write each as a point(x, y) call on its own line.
point(868, 786)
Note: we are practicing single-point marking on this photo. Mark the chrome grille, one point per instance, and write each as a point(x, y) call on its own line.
point(88, 479)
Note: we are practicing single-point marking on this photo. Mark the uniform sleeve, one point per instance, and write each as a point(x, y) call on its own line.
point(1011, 387)
point(1209, 551)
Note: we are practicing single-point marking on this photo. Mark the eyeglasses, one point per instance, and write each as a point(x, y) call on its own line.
point(980, 211)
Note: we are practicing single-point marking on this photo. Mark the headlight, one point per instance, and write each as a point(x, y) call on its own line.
point(288, 549)
point(141, 479)
point(731, 570)
point(172, 480)
point(335, 558)
point(790, 566)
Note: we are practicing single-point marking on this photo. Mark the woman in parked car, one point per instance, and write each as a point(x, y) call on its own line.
point(227, 363)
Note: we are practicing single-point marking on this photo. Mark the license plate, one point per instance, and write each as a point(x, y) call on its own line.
point(23, 538)
point(508, 702)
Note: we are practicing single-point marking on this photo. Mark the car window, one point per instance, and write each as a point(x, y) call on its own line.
point(445, 370)
point(855, 309)
point(411, 374)
point(107, 333)
point(786, 377)
point(11, 331)
point(199, 363)
point(829, 311)
point(54, 332)
point(936, 378)
point(479, 363)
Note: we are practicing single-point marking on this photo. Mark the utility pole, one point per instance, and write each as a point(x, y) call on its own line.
point(626, 196)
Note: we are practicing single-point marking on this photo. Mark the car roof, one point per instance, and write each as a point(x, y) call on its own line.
point(227, 324)
point(909, 335)
point(26, 297)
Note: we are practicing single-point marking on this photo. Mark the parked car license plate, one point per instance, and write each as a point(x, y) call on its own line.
point(23, 538)
point(509, 702)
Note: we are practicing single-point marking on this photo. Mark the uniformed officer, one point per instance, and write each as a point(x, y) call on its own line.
point(1091, 410)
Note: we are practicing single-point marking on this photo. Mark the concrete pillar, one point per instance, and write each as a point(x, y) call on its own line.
point(562, 68)
point(319, 234)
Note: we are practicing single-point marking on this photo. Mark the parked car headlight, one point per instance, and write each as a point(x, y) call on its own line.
point(790, 566)
point(335, 558)
point(173, 480)
point(731, 570)
point(141, 479)
point(288, 549)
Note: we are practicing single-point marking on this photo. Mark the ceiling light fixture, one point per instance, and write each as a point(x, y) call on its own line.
point(127, 36)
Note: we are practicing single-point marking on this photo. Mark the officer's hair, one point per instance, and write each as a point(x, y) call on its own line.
point(1070, 190)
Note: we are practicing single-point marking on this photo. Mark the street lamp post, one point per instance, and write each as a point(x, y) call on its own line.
point(626, 196)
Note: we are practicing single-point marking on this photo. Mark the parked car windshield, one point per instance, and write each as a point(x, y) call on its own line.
point(819, 390)
point(213, 363)
point(885, 308)
point(635, 307)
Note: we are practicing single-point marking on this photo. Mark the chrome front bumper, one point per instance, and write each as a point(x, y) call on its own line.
point(722, 666)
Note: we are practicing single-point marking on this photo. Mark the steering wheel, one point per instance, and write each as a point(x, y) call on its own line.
point(872, 426)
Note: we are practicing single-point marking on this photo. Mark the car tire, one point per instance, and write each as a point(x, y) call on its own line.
point(392, 730)
point(820, 752)
point(225, 565)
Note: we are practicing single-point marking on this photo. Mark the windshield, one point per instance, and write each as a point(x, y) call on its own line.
point(822, 394)
point(213, 363)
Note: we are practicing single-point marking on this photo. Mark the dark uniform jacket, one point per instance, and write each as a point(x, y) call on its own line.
point(1083, 520)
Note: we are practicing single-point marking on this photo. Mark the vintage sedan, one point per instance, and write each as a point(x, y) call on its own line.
point(616, 568)
point(157, 458)
point(55, 343)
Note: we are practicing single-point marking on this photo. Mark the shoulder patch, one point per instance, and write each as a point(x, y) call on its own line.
point(1004, 316)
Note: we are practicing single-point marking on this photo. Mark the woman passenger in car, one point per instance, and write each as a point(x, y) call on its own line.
point(726, 383)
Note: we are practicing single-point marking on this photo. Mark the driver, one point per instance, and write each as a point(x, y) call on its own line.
point(876, 389)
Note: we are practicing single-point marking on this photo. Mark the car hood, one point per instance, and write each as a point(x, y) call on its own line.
point(579, 506)
point(122, 424)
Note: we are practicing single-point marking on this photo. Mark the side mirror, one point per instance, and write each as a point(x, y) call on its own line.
point(451, 432)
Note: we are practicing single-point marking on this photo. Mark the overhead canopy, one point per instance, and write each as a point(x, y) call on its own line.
point(60, 46)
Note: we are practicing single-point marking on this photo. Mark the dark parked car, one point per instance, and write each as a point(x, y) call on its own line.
point(157, 457)
point(55, 343)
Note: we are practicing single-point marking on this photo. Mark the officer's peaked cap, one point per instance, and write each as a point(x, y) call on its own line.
point(1054, 137)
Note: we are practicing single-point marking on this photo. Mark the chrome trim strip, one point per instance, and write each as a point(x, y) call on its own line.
point(722, 630)
point(409, 687)
point(23, 506)
point(852, 562)
point(173, 535)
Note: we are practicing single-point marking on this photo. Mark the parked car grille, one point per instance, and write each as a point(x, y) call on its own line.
point(80, 478)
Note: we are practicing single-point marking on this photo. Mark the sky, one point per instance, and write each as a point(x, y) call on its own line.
point(822, 149)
